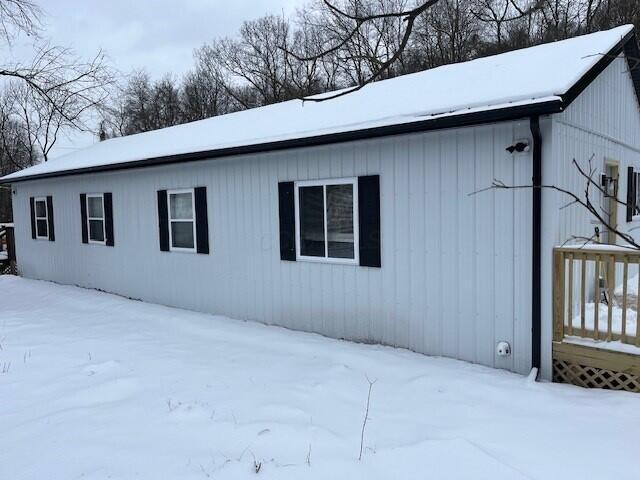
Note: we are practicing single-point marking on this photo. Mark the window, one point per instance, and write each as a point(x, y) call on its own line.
point(95, 218)
point(182, 222)
point(327, 226)
point(42, 219)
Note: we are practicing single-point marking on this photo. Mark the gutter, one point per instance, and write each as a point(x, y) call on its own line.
point(515, 112)
point(536, 242)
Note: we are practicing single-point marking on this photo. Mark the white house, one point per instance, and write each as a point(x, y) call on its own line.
point(353, 217)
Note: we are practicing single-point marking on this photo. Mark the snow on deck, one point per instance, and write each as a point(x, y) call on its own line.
point(603, 326)
point(504, 80)
point(96, 386)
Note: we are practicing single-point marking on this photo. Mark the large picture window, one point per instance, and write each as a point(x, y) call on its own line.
point(327, 226)
point(95, 218)
point(182, 221)
point(42, 219)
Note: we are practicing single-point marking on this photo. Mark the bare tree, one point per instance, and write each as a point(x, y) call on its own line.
point(346, 44)
point(114, 117)
point(54, 92)
point(19, 16)
point(203, 95)
point(615, 12)
point(352, 38)
point(58, 81)
point(254, 59)
point(166, 107)
point(17, 150)
point(585, 200)
point(447, 33)
point(498, 14)
point(560, 19)
point(43, 121)
point(358, 35)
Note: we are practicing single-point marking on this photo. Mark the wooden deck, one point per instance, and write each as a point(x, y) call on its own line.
point(7, 249)
point(596, 340)
point(594, 367)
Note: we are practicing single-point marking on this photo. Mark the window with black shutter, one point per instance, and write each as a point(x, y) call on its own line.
point(183, 220)
point(333, 221)
point(97, 218)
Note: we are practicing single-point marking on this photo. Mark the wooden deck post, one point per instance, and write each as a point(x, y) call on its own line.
point(558, 295)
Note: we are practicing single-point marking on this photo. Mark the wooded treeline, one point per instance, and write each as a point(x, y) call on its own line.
point(44, 96)
point(325, 46)
point(273, 59)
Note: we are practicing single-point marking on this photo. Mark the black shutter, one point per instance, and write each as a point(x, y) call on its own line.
point(631, 193)
point(163, 220)
point(83, 217)
point(202, 222)
point(369, 220)
point(32, 204)
point(52, 232)
point(287, 221)
point(108, 219)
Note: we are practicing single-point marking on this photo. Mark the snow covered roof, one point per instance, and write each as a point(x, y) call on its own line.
point(542, 76)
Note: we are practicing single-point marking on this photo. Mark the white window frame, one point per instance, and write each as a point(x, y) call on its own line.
point(182, 220)
point(353, 181)
point(89, 218)
point(45, 218)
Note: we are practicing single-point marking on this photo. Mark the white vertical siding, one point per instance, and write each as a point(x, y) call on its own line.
point(456, 268)
point(603, 123)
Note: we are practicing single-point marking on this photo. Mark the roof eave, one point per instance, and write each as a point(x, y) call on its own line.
point(438, 123)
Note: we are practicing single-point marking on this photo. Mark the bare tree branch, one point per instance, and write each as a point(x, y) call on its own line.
point(585, 202)
point(19, 16)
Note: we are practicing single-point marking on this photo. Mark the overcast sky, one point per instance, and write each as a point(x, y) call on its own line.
point(157, 35)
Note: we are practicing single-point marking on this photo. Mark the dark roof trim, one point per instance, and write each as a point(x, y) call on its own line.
point(632, 53)
point(628, 45)
point(462, 120)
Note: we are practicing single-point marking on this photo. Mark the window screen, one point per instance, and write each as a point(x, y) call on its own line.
point(95, 218)
point(182, 220)
point(326, 212)
point(42, 223)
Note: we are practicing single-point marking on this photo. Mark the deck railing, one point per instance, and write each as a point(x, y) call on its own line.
point(596, 294)
point(596, 300)
point(7, 249)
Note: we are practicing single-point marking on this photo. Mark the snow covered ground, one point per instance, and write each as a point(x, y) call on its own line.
point(603, 311)
point(95, 386)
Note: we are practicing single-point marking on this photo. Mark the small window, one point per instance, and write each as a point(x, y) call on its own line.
point(42, 221)
point(327, 220)
point(182, 221)
point(95, 218)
